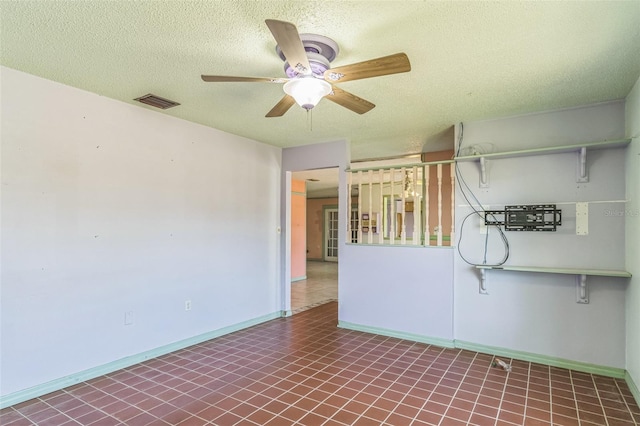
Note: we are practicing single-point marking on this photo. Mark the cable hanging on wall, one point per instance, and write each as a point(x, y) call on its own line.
point(466, 192)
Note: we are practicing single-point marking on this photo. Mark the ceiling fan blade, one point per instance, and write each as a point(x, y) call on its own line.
point(349, 101)
point(281, 107)
point(288, 39)
point(225, 78)
point(391, 64)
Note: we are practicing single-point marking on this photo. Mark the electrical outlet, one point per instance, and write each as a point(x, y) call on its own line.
point(187, 305)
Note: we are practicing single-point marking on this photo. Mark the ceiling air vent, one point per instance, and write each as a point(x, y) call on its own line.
point(156, 101)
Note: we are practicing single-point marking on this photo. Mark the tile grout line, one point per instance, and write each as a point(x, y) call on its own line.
point(47, 405)
point(460, 384)
point(504, 389)
point(302, 396)
point(271, 386)
point(84, 403)
point(444, 415)
point(526, 394)
point(149, 396)
point(363, 344)
point(277, 415)
point(425, 372)
point(414, 385)
point(633, 418)
point(575, 399)
point(380, 357)
point(387, 339)
point(604, 412)
point(381, 372)
point(484, 380)
point(550, 396)
point(174, 376)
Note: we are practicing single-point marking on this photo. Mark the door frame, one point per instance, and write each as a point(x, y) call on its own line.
point(306, 157)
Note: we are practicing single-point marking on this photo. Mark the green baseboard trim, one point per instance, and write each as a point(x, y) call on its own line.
point(632, 387)
point(399, 334)
point(619, 373)
point(543, 359)
point(63, 382)
point(302, 278)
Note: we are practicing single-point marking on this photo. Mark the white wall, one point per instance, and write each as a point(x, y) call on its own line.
point(108, 208)
point(408, 290)
point(405, 290)
point(633, 233)
point(538, 313)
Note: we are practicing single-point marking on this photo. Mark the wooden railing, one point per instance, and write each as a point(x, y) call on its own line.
point(403, 205)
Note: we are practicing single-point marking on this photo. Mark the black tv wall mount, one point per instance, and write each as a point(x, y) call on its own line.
point(531, 217)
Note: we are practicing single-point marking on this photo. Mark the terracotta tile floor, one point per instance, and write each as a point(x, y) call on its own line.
point(304, 370)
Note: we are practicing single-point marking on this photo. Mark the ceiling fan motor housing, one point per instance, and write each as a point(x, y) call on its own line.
point(319, 65)
point(321, 51)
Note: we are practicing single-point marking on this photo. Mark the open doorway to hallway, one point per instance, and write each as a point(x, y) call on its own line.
point(320, 287)
point(314, 238)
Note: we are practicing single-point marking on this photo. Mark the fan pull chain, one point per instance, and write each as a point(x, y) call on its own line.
point(310, 119)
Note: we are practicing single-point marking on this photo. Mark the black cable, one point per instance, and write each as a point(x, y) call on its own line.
point(480, 212)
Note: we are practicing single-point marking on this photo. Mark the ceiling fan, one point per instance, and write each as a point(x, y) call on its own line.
point(310, 77)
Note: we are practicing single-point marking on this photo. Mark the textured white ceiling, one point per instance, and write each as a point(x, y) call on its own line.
point(470, 60)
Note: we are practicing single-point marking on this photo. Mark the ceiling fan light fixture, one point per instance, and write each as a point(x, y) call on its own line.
point(307, 91)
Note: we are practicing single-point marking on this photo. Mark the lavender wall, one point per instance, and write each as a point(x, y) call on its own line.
point(110, 208)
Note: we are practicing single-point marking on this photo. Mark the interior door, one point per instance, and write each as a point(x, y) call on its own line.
point(331, 235)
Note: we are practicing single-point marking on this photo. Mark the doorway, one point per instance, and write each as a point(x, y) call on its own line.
point(321, 242)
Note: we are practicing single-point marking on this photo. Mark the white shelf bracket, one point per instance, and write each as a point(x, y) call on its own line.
point(484, 181)
point(483, 282)
point(582, 291)
point(582, 174)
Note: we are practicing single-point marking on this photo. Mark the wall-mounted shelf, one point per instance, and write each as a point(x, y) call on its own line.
point(548, 150)
point(569, 271)
point(582, 293)
point(580, 149)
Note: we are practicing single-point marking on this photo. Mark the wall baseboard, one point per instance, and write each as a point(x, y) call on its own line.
point(632, 387)
point(400, 335)
point(507, 353)
point(543, 359)
point(54, 385)
point(302, 278)
point(63, 382)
